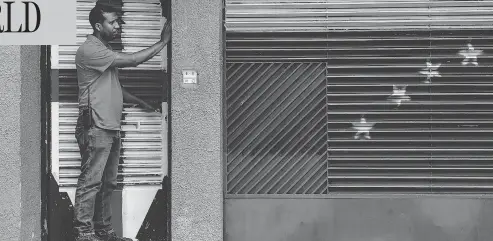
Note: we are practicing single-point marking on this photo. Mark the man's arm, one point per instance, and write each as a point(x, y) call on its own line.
point(134, 59)
point(129, 98)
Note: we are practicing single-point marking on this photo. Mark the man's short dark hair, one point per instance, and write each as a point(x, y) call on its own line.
point(96, 14)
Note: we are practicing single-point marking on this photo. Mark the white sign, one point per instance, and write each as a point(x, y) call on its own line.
point(38, 22)
point(189, 77)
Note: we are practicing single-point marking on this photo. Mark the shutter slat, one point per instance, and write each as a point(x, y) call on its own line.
point(408, 96)
point(142, 29)
point(375, 15)
point(142, 158)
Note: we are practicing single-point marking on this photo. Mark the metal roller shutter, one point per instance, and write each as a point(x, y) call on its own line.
point(408, 92)
point(144, 154)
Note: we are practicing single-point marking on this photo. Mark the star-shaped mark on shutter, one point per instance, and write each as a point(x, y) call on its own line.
point(363, 129)
point(470, 55)
point(430, 71)
point(399, 95)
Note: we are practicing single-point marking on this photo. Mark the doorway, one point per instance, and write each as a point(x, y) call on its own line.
point(141, 201)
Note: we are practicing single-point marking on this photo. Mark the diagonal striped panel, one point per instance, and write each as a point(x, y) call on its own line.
point(276, 125)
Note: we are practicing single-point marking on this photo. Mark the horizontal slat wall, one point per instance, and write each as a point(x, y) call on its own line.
point(141, 147)
point(145, 84)
point(276, 47)
point(142, 132)
point(426, 104)
point(143, 139)
point(355, 15)
point(428, 123)
point(142, 28)
point(408, 86)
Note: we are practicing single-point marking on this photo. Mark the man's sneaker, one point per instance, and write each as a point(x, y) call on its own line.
point(88, 237)
point(113, 237)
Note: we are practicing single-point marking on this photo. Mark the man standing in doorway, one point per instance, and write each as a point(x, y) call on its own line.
point(98, 127)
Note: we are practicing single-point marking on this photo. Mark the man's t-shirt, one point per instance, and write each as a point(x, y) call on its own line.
point(93, 60)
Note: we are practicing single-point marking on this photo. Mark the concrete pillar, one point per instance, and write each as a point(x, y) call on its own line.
point(196, 120)
point(20, 145)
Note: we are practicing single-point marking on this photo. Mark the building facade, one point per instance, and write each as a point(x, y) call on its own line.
point(27, 165)
point(311, 120)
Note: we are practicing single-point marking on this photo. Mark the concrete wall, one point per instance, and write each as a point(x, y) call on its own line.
point(360, 219)
point(30, 143)
point(10, 99)
point(197, 210)
point(20, 145)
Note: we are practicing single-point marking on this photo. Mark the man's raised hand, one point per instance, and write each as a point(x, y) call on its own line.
point(166, 32)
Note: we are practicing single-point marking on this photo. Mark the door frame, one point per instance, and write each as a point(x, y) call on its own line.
point(46, 97)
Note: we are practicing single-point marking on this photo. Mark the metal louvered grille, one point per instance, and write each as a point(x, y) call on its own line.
point(368, 15)
point(408, 93)
point(142, 29)
point(276, 136)
point(409, 113)
point(142, 143)
point(143, 146)
point(143, 135)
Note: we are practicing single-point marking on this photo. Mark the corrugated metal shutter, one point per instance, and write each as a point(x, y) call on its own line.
point(408, 87)
point(276, 98)
point(144, 153)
